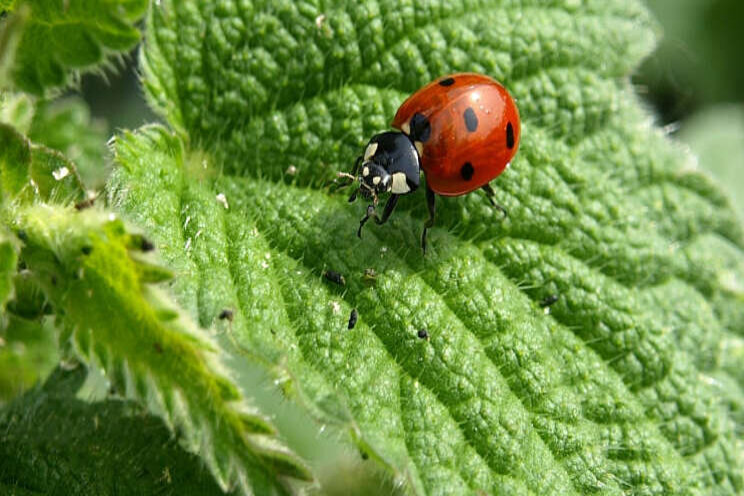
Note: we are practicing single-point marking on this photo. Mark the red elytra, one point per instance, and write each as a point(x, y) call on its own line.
point(473, 131)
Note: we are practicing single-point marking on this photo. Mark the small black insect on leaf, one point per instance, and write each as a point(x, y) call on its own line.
point(226, 314)
point(353, 316)
point(334, 277)
point(423, 334)
point(548, 300)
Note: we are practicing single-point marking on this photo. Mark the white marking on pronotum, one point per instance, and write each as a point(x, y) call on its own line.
point(222, 199)
point(376, 180)
point(419, 147)
point(371, 149)
point(406, 128)
point(61, 173)
point(400, 185)
point(365, 171)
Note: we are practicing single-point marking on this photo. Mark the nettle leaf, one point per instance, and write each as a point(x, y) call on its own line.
point(30, 172)
point(86, 264)
point(61, 38)
point(48, 435)
point(64, 125)
point(630, 383)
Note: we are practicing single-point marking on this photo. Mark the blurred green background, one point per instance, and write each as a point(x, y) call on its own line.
point(695, 84)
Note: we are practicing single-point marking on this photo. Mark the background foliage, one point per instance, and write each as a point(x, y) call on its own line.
point(629, 383)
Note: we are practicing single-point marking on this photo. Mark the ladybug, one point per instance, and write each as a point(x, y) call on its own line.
point(462, 130)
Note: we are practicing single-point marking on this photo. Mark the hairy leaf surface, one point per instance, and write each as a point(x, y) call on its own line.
point(84, 266)
point(629, 383)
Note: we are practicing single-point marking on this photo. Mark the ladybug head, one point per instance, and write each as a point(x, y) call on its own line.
point(374, 180)
point(390, 164)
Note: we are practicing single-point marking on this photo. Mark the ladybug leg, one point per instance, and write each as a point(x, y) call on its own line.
point(490, 194)
point(371, 214)
point(389, 207)
point(430, 203)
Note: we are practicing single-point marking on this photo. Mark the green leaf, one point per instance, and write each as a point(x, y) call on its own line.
point(28, 353)
point(85, 267)
point(61, 39)
point(33, 172)
point(17, 110)
point(86, 263)
point(66, 126)
point(627, 384)
point(10, 36)
point(53, 443)
point(8, 257)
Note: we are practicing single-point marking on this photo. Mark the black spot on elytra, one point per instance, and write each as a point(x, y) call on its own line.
point(471, 120)
point(447, 81)
point(509, 135)
point(466, 171)
point(420, 127)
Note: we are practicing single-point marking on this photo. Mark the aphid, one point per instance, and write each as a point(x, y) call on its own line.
point(353, 316)
point(334, 277)
point(461, 130)
point(226, 314)
point(548, 300)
